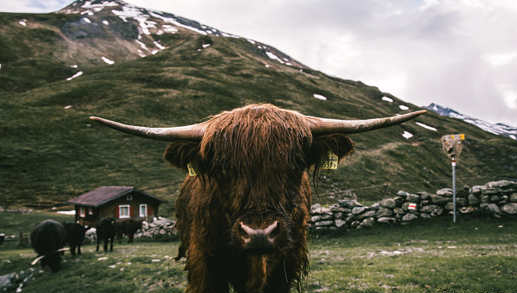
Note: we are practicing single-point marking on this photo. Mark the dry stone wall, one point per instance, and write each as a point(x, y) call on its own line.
point(497, 198)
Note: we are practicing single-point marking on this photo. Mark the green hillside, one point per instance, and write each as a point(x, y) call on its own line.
point(50, 151)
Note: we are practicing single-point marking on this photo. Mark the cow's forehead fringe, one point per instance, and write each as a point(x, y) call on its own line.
point(256, 140)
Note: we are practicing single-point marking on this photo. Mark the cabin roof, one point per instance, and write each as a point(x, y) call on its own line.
point(105, 194)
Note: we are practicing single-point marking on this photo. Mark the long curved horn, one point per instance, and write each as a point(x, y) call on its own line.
point(192, 132)
point(325, 126)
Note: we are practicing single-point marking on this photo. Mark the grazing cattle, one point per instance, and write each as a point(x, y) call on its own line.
point(243, 217)
point(127, 227)
point(47, 239)
point(105, 230)
point(74, 236)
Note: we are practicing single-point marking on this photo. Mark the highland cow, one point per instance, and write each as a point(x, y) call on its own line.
point(48, 239)
point(74, 236)
point(243, 211)
point(106, 231)
point(127, 227)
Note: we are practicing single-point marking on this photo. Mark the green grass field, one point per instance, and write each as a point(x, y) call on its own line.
point(477, 255)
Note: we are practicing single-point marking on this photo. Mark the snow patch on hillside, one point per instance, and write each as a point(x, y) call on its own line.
point(176, 23)
point(320, 97)
point(158, 45)
point(75, 75)
point(407, 134)
point(426, 126)
point(23, 22)
point(108, 61)
point(387, 99)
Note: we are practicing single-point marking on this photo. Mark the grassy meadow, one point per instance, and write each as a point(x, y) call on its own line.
point(476, 255)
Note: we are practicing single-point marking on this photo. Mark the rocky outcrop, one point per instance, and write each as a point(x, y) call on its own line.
point(497, 198)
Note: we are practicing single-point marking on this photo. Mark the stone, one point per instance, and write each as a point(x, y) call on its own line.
point(358, 210)
point(425, 216)
point(513, 197)
point(368, 222)
point(495, 198)
point(315, 219)
point(355, 224)
point(367, 215)
point(339, 223)
point(320, 210)
point(402, 193)
point(327, 216)
point(449, 206)
point(485, 199)
point(460, 201)
point(7, 282)
point(433, 210)
point(336, 208)
point(504, 184)
point(436, 199)
point(476, 189)
point(510, 208)
point(425, 195)
point(444, 192)
point(323, 223)
point(490, 191)
point(413, 198)
point(388, 203)
point(467, 210)
point(384, 212)
point(386, 220)
point(409, 217)
point(493, 208)
point(473, 200)
point(338, 215)
point(349, 203)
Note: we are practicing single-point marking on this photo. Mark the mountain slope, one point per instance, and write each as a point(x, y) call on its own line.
point(50, 151)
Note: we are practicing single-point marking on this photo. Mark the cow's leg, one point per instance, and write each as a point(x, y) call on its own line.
point(72, 249)
point(105, 242)
point(98, 241)
point(130, 237)
point(111, 243)
point(79, 249)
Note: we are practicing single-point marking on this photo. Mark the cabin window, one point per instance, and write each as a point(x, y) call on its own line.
point(143, 210)
point(82, 212)
point(123, 211)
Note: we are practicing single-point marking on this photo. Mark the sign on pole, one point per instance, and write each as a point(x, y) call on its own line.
point(452, 145)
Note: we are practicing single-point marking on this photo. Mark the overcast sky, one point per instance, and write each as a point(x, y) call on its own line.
point(457, 53)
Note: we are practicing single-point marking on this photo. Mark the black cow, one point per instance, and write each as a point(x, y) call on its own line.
point(74, 236)
point(47, 239)
point(127, 227)
point(106, 232)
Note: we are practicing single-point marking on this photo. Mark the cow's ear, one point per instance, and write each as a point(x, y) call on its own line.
point(339, 144)
point(182, 152)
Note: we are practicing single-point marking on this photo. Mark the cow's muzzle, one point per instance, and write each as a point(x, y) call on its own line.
point(259, 241)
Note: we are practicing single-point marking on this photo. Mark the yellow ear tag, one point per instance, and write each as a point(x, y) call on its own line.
point(191, 171)
point(331, 162)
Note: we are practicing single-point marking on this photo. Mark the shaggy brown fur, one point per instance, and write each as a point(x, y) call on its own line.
point(252, 166)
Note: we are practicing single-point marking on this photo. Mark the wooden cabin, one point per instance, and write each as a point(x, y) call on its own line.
point(118, 202)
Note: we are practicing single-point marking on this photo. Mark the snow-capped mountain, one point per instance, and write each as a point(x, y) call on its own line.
point(99, 15)
point(495, 128)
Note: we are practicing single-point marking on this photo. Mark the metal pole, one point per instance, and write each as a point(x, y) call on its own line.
point(454, 189)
